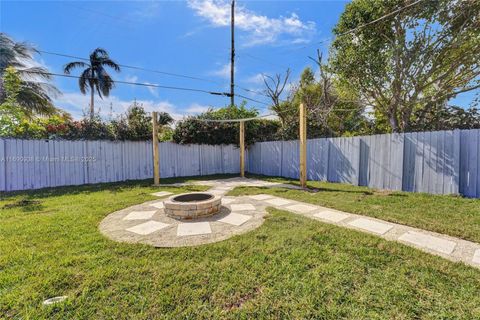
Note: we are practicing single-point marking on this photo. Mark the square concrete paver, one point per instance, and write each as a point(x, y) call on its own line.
point(476, 257)
point(371, 225)
point(162, 193)
point(261, 197)
point(278, 202)
point(217, 191)
point(242, 207)
point(139, 215)
point(227, 200)
point(225, 188)
point(331, 215)
point(430, 242)
point(235, 219)
point(301, 208)
point(158, 205)
point(148, 227)
point(193, 228)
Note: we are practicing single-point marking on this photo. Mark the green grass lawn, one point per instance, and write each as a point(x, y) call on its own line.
point(451, 215)
point(290, 267)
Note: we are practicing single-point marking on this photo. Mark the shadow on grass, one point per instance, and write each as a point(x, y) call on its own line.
point(29, 195)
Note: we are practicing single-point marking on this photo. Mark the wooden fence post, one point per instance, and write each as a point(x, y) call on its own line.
point(156, 158)
point(242, 149)
point(303, 146)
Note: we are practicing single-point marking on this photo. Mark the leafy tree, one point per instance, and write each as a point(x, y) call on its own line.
point(11, 113)
point(411, 62)
point(136, 124)
point(448, 118)
point(95, 76)
point(199, 131)
point(331, 109)
point(34, 95)
point(165, 133)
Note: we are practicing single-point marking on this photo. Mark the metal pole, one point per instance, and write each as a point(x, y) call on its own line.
point(232, 58)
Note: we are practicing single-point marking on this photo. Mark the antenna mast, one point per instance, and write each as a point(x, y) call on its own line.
point(232, 61)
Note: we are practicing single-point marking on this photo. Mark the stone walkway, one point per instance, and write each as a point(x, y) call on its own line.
point(147, 223)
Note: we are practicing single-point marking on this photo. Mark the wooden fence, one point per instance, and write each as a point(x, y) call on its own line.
point(441, 162)
point(34, 164)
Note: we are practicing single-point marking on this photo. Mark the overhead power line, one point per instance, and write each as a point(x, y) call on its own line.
point(339, 35)
point(171, 74)
point(137, 83)
point(217, 93)
point(373, 21)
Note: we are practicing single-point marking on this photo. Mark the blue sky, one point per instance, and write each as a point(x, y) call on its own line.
point(186, 37)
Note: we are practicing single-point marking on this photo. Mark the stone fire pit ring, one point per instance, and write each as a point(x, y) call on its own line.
point(192, 205)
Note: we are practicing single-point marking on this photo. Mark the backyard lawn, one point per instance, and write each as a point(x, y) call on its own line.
point(290, 267)
point(452, 215)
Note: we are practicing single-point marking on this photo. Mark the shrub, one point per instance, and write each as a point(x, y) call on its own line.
point(199, 131)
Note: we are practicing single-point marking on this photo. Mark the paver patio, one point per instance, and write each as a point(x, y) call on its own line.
point(241, 214)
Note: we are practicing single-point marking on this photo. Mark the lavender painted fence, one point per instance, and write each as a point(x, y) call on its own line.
point(34, 164)
point(442, 162)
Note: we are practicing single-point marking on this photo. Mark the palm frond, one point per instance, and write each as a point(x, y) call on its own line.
point(72, 65)
point(14, 53)
point(34, 73)
point(24, 50)
point(110, 63)
point(105, 84)
point(34, 100)
point(98, 53)
point(85, 80)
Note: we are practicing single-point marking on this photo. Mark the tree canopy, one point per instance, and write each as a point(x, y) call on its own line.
point(412, 62)
point(36, 91)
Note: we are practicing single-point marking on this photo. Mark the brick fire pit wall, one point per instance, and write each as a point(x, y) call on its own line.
point(192, 205)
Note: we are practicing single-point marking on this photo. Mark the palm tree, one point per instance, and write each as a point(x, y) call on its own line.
point(35, 93)
point(94, 76)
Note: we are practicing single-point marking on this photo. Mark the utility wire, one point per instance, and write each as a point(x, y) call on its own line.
point(265, 115)
point(374, 21)
point(136, 83)
point(172, 74)
point(217, 93)
point(339, 35)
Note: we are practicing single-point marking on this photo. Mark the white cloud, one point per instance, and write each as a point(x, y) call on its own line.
point(261, 29)
point(78, 104)
point(196, 108)
point(271, 117)
point(256, 79)
point(223, 72)
point(130, 78)
point(147, 10)
point(153, 90)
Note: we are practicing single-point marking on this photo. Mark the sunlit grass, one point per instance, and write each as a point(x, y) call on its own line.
point(290, 267)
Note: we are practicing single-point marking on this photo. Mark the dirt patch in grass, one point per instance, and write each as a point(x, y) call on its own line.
point(22, 203)
point(242, 299)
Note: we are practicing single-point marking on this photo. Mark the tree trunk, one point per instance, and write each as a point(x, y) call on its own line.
point(92, 108)
point(92, 95)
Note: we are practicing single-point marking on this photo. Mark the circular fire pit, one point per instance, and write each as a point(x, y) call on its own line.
point(192, 205)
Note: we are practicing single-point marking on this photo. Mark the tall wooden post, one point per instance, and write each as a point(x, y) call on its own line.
point(232, 56)
point(303, 146)
point(242, 149)
point(156, 158)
